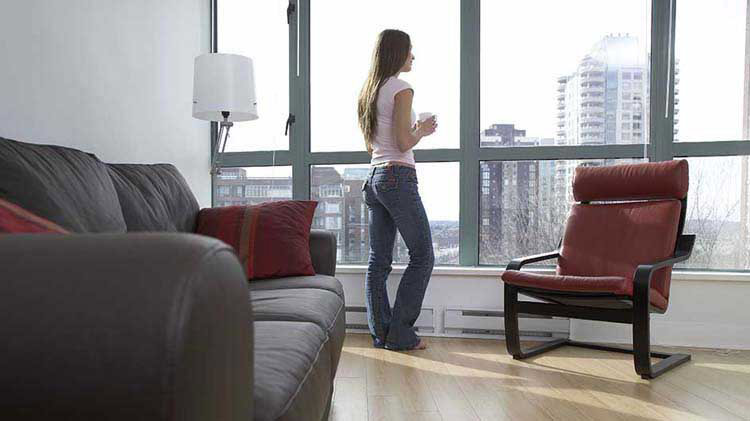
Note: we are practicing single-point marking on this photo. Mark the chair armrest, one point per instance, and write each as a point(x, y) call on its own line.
point(683, 250)
point(643, 273)
point(124, 326)
point(323, 252)
point(517, 264)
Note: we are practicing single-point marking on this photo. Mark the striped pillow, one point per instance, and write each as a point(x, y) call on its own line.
point(15, 219)
point(272, 240)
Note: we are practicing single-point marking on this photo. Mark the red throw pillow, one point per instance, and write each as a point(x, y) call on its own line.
point(15, 219)
point(272, 240)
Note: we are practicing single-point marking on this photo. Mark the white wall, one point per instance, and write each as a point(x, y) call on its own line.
point(111, 77)
point(704, 310)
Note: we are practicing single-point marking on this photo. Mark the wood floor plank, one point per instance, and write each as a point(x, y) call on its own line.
point(390, 408)
point(670, 395)
point(472, 379)
point(352, 362)
point(547, 388)
point(449, 398)
point(493, 394)
point(350, 400)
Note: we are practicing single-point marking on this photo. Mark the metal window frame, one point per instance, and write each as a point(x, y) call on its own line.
point(469, 155)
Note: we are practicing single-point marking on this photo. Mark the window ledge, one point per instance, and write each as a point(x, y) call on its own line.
point(495, 272)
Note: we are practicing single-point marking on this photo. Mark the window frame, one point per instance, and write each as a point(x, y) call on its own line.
point(470, 154)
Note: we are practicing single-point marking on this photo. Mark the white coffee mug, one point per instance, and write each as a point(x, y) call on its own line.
point(425, 116)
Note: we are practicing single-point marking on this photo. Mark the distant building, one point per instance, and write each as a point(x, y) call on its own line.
point(234, 187)
point(605, 101)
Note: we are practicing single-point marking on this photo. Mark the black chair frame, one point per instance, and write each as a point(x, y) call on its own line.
point(635, 310)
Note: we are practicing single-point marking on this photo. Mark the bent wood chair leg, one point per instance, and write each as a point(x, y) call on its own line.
point(512, 334)
point(641, 350)
point(642, 344)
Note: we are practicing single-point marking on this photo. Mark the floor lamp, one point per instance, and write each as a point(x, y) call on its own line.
point(223, 91)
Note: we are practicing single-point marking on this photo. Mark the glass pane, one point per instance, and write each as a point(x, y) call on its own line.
point(258, 29)
point(718, 213)
point(250, 186)
point(341, 209)
point(710, 78)
point(524, 205)
point(570, 75)
point(341, 44)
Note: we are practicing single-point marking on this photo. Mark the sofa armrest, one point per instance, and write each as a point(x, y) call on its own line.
point(123, 327)
point(323, 252)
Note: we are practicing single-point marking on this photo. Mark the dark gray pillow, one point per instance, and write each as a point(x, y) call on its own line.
point(154, 197)
point(69, 187)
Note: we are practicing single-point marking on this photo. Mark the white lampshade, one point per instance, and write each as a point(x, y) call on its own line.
point(224, 82)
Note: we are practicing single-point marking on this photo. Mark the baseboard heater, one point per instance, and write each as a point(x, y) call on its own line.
point(490, 323)
point(356, 319)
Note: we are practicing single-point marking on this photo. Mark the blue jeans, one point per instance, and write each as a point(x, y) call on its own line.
point(393, 200)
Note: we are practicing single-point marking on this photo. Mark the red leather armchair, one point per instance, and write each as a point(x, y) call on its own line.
point(615, 259)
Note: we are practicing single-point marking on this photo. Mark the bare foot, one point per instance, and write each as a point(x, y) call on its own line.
point(419, 346)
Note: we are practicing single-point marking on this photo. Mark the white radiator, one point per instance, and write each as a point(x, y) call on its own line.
point(356, 319)
point(490, 323)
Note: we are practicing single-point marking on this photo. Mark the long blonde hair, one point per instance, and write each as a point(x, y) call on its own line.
point(391, 52)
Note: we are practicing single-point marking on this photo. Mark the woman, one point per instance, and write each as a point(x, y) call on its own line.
point(390, 192)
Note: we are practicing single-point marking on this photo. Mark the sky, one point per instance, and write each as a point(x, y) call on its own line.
point(526, 46)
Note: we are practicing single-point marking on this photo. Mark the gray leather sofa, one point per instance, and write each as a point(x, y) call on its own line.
point(134, 317)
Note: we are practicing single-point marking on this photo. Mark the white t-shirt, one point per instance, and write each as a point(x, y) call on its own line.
point(384, 145)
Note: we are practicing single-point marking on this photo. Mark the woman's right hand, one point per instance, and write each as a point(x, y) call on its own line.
point(426, 127)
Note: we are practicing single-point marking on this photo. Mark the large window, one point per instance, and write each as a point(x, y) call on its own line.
point(258, 29)
point(341, 50)
point(718, 213)
point(561, 73)
point(524, 92)
point(710, 73)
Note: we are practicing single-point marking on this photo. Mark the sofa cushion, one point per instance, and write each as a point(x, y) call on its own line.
point(328, 283)
point(154, 197)
point(318, 299)
point(272, 239)
point(15, 219)
point(292, 371)
point(69, 187)
point(301, 305)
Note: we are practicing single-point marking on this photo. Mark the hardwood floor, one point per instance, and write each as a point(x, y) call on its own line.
point(475, 379)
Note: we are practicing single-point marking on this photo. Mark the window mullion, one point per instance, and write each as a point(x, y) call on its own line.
point(299, 140)
point(469, 131)
point(661, 129)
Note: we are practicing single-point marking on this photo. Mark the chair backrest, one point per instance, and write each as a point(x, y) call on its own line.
point(627, 215)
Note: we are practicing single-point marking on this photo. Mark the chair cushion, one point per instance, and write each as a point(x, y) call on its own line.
point(654, 180)
point(292, 371)
point(615, 285)
point(154, 197)
point(613, 239)
point(71, 188)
